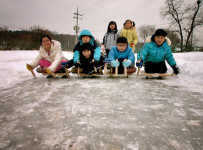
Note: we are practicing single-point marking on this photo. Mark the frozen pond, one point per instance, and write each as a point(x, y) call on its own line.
point(100, 114)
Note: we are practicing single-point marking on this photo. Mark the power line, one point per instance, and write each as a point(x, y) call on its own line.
point(104, 3)
point(91, 5)
point(121, 14)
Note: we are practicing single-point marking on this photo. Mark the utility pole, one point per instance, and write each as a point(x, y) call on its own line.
point(76, 27)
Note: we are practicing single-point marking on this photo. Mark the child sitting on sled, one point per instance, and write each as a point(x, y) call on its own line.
point(124, 54)
point(86, 62)
point(155, 52)
point(84, 37)
point(49, 58)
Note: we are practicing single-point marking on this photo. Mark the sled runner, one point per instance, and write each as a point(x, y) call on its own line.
point(54, 74)
point(48, 72)
point(92, 74)
point(156, 75)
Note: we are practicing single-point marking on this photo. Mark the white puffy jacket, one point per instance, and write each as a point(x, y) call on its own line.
point(54, 58)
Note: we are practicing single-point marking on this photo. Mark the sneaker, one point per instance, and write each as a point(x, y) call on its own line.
point(41, 70)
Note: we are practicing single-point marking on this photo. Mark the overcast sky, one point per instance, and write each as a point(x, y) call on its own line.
point(57, 15)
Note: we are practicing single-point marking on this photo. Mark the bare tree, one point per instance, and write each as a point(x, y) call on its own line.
point(145, 30)
point(184, 17)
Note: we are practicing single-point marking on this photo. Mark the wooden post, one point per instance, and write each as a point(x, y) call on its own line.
point(95, 69)
point(78, 70)
point(105, 69)
point(67, 72)
point(50, 72)
point(30, 69)
point(116, 70)
point(138, 71)
point(33, 73)
point(125, 71)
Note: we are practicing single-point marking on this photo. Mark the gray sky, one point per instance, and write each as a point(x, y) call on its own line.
point(57, 15)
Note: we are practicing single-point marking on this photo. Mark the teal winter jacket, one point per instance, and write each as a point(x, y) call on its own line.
point(97, 49)
point(154, 53)
point(116, 54)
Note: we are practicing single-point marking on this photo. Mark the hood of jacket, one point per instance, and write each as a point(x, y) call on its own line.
point(86, 32)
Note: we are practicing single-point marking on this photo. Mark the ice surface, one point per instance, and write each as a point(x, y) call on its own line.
point(94, 114)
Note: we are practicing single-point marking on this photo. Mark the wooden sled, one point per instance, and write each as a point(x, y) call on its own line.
point(115, 75)
point(49, 72)
point(156, 75)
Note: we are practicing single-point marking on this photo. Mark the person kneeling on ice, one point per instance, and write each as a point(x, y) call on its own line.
point(155, 52)
point(86, 61)
point(49, 58)
point(124, 54)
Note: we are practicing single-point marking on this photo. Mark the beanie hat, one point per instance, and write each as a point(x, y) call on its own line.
point(160, 32)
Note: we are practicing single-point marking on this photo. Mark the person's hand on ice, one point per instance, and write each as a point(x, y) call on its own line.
point(175, 69)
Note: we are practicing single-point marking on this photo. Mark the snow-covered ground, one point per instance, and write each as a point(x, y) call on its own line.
point(103, 113)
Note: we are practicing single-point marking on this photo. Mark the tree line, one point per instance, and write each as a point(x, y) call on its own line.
point(29, 39)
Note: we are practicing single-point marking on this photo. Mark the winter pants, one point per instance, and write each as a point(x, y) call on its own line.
point(45, 64)
point(151, 67)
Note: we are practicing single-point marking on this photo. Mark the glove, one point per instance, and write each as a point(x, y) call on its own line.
point(127, 63)
point(175, 69)
point(77, 64)
point(115, 63)
point(107, 60)
point(139, 63)
point(131, 45)
point(28, 67)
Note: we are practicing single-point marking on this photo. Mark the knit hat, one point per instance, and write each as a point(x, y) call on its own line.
point(160, 32)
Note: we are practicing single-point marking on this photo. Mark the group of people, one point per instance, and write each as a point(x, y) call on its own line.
point(117, 48)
